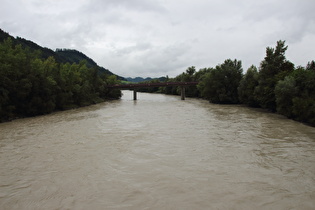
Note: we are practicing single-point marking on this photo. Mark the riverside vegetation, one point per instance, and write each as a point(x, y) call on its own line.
point(277, 85)
point(36, 80)
point(31, 84)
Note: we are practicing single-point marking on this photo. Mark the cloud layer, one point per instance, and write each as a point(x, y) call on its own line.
point(164, 37)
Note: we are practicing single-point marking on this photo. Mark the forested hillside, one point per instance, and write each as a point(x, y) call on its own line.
point(31, 84)
point(74, 56)
point(60, 55)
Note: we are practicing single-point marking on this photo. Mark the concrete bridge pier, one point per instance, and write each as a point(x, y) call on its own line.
point(182, 92)
point(134, 94)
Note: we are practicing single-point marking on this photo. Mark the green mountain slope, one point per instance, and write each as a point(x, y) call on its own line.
point(60, 55)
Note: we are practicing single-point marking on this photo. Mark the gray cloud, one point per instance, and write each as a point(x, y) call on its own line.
point(157, 37)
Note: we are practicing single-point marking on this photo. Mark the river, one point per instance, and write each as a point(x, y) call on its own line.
point(157, 153)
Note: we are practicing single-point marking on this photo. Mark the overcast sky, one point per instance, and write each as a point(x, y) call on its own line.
point(153, 38)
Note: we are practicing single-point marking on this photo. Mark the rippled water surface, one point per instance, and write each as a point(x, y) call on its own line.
point(157, 153)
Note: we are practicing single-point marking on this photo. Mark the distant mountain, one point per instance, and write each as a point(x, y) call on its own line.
point(138, 79)
point(141, 79)
point(60, 55)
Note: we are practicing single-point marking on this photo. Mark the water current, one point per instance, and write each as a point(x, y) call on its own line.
point(158, 152)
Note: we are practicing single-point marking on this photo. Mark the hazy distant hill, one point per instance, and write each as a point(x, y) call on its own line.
point(138, 79)
point(141, 79)
point(60, 55)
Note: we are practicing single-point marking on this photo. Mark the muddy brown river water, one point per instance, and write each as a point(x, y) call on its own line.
point(157, 153)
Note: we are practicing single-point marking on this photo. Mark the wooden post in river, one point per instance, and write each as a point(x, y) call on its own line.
point(134, 94)
point(182, 92)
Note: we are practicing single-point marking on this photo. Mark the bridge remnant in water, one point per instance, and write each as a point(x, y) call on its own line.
point(160, 84)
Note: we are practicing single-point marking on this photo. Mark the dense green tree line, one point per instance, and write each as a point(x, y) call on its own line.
point(280, 87)
point(277, 85)
point(32, 86)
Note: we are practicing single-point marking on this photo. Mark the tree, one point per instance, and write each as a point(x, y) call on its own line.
point(247, 87)
point(303, 107)
point(310, 66)
point(285, 91)
point(42, 98)
point(189, 76)
point(111, 80)
point(15, 86)
point(273, 68)
point(220, 84)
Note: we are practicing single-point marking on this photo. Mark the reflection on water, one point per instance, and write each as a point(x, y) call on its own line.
point(157, 153)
